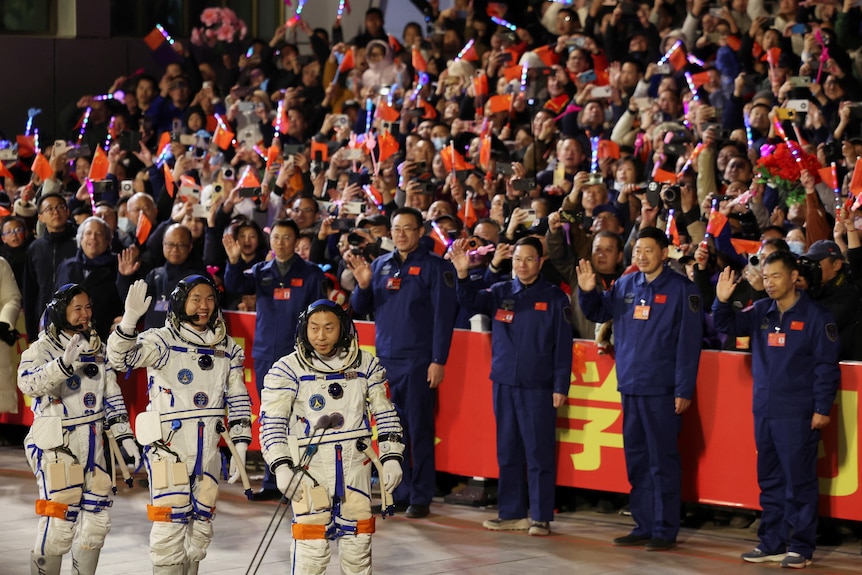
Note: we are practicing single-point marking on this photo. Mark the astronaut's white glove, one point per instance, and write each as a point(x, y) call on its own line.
point(235, 462)
point(132, 450)
point(137, 304)
point(289, 482)
point(77, 345)
point(391, 474)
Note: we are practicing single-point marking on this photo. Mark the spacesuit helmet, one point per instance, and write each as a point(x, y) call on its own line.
point(177, 303)
point(348, 330)
point(55, 312)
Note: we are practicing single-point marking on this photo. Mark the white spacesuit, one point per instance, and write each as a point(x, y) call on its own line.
point(75, 395)
point(323, 403)
point(195, 371)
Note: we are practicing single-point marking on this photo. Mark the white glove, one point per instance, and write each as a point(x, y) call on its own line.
point(77, 345)
point(235, 462)
point(391, 474)
point(289, 482)
point(137, 304)
point(132, 450)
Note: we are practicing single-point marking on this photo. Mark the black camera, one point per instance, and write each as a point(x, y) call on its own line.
point(810, 271)
point(672, 196)
point(832, 151)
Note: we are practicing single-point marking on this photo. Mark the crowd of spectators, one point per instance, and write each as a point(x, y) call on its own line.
point(578, 123)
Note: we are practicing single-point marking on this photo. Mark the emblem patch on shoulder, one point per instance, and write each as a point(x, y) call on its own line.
point(185, 376)
point(449, 279)
point(694, 303)
point(832, 331)
point(316, 402)
point(201, 399)
point(73, 382)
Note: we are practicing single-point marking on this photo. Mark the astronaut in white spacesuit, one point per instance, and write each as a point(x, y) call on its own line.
point(321, 397)
point(194, 370)
point(75, 396)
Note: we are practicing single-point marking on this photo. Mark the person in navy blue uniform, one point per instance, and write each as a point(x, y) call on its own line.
point(285, 287)
point(795, 350)
point(658, 326)
point(412, 294)
point(531, 366)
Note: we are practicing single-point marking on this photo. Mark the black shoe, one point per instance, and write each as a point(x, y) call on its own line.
point(631, 540)
point(266, 495)
point(657, 544)
point(417, 511)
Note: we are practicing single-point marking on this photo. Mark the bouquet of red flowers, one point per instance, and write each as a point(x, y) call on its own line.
point(220, 26)
point(781, 167)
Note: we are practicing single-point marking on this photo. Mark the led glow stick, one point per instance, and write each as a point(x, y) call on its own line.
point(84, 123)
point(594, 149)
point(463, 51)
point(31, 113)
point(504, 23)
point(670, 52)
point(340, 12)
point(164, 32)
point(107, 145)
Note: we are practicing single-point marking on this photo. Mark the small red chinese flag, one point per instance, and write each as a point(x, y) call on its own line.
point(387, 113)
point(248, 179)
point(142, 232)
point(745, 246)
point(42, 168)
point(480, 85)
point(467, 213)
point(716, 223)
point(348, 62)
point(700, 79)
point(856, 180)
point(485, 152)
point(26, 146)
point(609, 149)
point(99, 167)
point(449, 155)
point(500, 103)
point(394, 44)
point(170, 185)
point(5, 173)
point(663, 176)
point(470, 55)
point(677, 59)
point(827, 176)
point(772, 56)
point(164, 142)
point(387, 144)
point(734, 43)
point(512, 73)
point(419, 63)
point(547, 55)
point(222, 138)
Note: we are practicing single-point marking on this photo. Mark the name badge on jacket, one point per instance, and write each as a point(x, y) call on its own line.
point(504, 315)
point(281, 294)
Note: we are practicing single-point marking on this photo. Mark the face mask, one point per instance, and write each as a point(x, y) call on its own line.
point(798, 248)
point(126, 225)
point(439, 143)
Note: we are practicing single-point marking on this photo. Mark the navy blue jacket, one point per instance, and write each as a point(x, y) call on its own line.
point(417, 319)
point(531, 333)
point(796, 380)
point(660, 355)
point(275, 324)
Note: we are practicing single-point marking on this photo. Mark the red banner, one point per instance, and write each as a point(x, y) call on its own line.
point(717, 442)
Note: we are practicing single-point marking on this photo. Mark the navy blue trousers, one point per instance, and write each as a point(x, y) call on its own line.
point(650, 432)
point(416, 404)
point(526, 451)
point(787, 475)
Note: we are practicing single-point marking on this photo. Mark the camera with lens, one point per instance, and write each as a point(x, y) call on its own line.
point(810, 271)
point(595, 179)
point(755, 261)
point(473, 243)
point(672, 197)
